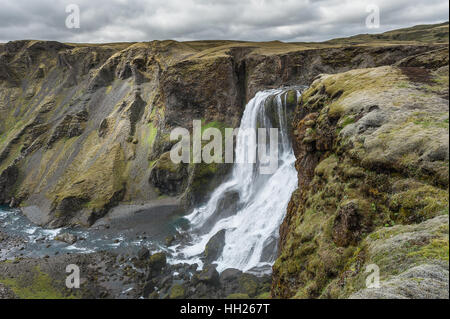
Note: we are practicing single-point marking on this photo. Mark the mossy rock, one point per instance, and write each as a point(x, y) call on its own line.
point(157, 261)
point(264, 295)
point(418, 204)
point(36, 285)
point(170, 178)
point(177, 292)
point(248, 284)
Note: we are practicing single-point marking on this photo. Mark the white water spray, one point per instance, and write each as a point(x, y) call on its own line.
point(251, 229)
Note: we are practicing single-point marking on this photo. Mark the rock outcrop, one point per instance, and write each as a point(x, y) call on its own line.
point(372, 149)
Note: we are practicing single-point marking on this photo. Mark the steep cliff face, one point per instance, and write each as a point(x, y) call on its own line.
point(372, 155)
point(86, 127)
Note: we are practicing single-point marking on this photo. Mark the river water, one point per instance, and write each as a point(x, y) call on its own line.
point(258, 201)
point(248, 206)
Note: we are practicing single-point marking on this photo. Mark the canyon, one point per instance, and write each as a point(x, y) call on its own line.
point(85, 136)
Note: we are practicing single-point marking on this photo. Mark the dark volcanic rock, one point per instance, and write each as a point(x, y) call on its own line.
point(7, 180)
point(168, 177)
point(143, 253)
point(157, 262)
point(214, 247)
point(209, 276)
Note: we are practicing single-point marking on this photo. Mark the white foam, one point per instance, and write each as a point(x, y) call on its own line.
point(265, 199)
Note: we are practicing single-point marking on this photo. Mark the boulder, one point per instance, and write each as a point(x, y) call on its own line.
point(209, 276)
point(420, 282)
point(214, 247)
point(177, 292)
point(143, 253)
point(67, 238)
point(157, 262)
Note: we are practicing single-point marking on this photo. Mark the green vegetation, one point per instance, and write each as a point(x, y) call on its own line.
point(40, 286)
point(437, 249)
point(177, 292)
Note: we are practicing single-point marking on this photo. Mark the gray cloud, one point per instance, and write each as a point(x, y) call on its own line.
point(253, 20)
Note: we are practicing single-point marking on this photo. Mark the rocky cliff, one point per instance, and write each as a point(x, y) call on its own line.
point(86, 127)
point(372, 149)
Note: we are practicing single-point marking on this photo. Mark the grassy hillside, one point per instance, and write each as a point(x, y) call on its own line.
point(427, 33)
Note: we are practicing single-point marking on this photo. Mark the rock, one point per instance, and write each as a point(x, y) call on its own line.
point(8, 178)
point(168, 177)
point(177, 292)
point(229, 281)
point(209, 276)
point(143, 253)
point(248, 284)
point(157, 262)
point(214, 247)
point(149, 288)
point(67, 238)
point(12, 203)
point(72, 125)
point(230, 274)
point(373, 176)
point(169, 240)
point(6, 293)
point(349, 224)
point(420, 282)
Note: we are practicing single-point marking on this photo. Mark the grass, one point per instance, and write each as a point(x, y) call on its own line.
point(40, 287)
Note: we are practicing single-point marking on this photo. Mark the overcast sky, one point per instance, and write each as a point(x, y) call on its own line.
point(254, 20)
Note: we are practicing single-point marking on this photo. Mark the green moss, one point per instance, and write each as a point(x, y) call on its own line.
point(157, 261)
point(151, 134)
point(264, 295)
point(248, 284)
point(177, 292)
point(347, 120)
point(215, 124)
point(106, 175)
point(327, 166)
point(291, 99)
point(165, 163)
point(418, 204)
point(41, 286)
point(151, 164)
point(437, 249)
point(335, 110)
point(426, 120)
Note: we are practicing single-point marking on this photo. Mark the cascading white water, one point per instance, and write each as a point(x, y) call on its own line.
point(251, 229)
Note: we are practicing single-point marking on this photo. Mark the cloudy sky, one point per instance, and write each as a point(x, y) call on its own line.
point(255, 20)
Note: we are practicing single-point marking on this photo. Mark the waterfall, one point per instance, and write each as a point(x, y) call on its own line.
point(248, 206)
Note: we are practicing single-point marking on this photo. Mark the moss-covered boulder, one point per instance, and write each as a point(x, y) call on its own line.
point(157, 262)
